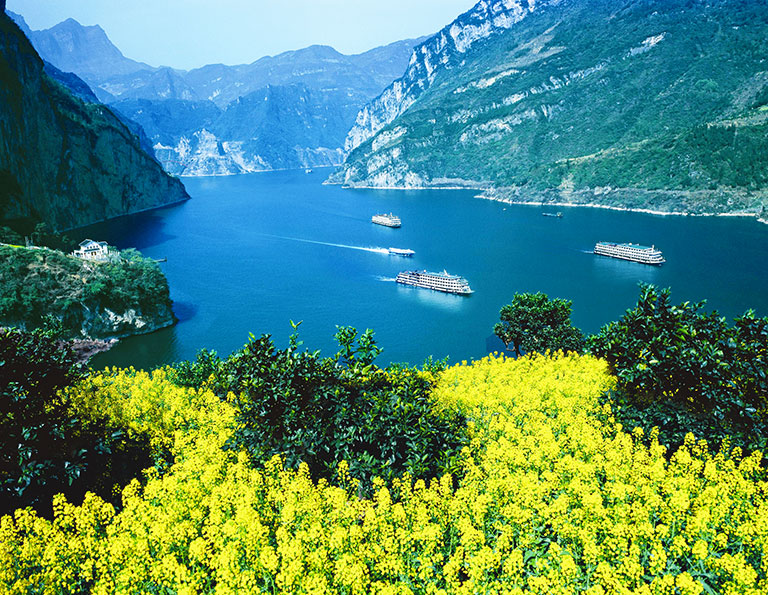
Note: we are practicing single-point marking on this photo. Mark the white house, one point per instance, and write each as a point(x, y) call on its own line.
point(90, 250)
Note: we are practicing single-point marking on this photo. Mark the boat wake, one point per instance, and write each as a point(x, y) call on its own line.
point(362, 248)
point(387, 279)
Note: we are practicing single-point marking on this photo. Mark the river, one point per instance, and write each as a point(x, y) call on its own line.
point(248, 254)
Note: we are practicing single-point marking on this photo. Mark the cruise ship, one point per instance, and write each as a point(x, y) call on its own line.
point(437, 281)
point(633, 252)
point(401, 252)
point(387, 220)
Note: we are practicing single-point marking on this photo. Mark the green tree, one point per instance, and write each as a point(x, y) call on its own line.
point(533, 322)
point(682, 369)
point(324, 410)
point(46, 446)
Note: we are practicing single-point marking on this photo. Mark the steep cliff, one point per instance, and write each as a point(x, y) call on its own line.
point(64, 161)
point(657, 104)
point(207, 121)
point(441, 51)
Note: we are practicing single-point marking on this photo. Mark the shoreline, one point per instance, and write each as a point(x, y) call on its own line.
point(85, 349)
point(164, 206)
point(509, 201)
point(257, 171)
point(484, 194)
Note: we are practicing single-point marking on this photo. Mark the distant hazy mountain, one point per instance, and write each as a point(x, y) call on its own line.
point(286, 111)
point(658, 104)
point(86, 51)
point(65, 161)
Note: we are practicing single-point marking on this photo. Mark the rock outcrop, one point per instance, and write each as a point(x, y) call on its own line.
point(65, 161)
point(660, 105)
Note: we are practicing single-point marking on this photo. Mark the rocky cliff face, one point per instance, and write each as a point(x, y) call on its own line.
point(278, 127)
point(62, 160)
point(201, 122)
point(655, 104)
point(442, 51)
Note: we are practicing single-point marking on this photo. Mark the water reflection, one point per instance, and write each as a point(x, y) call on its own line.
point(431, 298)
point(625, 269)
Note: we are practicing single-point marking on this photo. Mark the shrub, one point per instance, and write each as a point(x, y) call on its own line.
point(534, 323)
point(683, 369)
point(46, 445)
point(321, 411)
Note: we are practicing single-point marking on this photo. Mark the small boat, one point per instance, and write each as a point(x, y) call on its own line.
point(558, 214)
point(401, 252)
point(307, 171)
point(387, 220)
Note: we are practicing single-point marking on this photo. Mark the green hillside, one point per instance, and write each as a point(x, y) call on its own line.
point(643, 103)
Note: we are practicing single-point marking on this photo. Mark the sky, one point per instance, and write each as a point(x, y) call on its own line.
point(191, 33)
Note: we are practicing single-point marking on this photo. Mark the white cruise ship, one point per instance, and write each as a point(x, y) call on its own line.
point(437, 281)
point(633, 252)
point(387, 220)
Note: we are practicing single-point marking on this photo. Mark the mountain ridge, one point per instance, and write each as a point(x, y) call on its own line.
point(626, 103)
point(326, 88)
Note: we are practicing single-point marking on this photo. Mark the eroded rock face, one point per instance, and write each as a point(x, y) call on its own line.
point(482, 21)
point(103, 322)
point(64, 161)
point(557, 99)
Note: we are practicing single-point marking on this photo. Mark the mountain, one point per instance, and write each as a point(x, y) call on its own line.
point(64, 161)
point(658, 104)
point(86, 51)
point(292, 110)
point(200, 121)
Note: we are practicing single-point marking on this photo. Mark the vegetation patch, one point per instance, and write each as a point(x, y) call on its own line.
point(554, 497)
point(125, 295)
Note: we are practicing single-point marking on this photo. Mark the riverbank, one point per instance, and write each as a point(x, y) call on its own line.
point(717, 203)
point(85, 349)
point(618, 208)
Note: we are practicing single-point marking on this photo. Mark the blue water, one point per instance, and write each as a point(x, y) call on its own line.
point(250, 253)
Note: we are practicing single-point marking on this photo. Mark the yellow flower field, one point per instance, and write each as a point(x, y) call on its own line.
point(555, 498)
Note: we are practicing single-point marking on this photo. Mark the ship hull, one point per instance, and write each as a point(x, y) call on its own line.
point(443, 284)
point(648, 256)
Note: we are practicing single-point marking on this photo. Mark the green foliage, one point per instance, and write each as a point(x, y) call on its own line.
point(43, 236)
point(534, 323)
point(9, 236)
point(47, 447)
point(659, 96)
point(321, 411)
point(685, 370)
point(40, 283)
point(197, 373)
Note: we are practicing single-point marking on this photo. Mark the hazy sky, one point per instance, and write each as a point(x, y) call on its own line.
point(191, 33)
